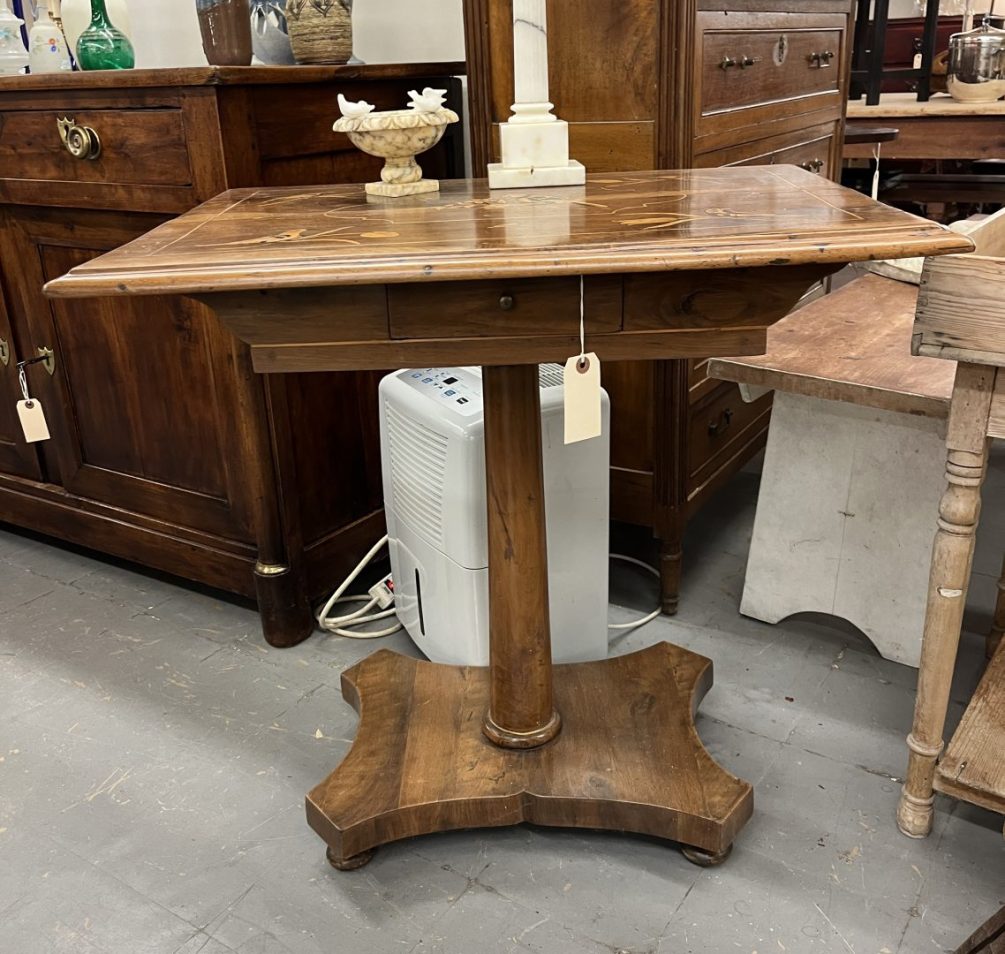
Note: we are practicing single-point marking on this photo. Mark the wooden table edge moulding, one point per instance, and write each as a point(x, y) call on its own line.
point(675, 264)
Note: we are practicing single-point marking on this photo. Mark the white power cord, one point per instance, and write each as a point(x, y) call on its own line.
point(339, 625)
point(636, 623)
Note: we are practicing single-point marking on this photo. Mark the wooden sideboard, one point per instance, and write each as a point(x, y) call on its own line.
point(166, 449)
point(675, 84)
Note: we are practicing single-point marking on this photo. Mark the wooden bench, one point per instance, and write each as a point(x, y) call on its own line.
point(854, 466)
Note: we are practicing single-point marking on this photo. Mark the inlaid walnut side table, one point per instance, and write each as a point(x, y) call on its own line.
point(676, 264)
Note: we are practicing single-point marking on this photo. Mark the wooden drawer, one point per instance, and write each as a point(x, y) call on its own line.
point(718, 426)
point(793, 65)
point(811, 149)
point(139, 147)
point(532, 306)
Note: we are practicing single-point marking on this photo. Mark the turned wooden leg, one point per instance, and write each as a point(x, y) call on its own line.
point(952, 556)
point(279, 588)
point(521, 710)
point(351, 863)
point(706, 859)
point(671, 563)
point(998, 625)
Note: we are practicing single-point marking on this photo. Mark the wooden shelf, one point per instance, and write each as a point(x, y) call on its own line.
point(973, 768)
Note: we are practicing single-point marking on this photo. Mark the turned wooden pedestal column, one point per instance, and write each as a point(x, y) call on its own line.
point(521, 705)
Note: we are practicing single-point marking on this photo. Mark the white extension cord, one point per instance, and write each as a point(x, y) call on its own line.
point(649, 617)
point(342, 625)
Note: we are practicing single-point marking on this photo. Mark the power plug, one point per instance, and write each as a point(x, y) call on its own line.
point(383, 592)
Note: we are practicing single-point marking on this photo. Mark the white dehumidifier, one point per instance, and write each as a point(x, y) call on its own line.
point(433, 455)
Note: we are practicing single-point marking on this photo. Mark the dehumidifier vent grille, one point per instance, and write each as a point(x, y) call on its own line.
point(418, 471)
point(550, 375)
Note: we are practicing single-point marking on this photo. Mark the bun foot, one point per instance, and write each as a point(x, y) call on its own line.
point(705, 859)
point(351, 863)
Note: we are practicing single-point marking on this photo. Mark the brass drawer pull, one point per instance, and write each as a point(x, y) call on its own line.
point(81, 142)
point(814, 165)
point(820, 61)
point(4, 352)
point(507, 302)
point(715, 428)
point(727, 63)
point(749, 61)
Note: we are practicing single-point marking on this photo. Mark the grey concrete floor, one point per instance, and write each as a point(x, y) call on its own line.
point(154, 755)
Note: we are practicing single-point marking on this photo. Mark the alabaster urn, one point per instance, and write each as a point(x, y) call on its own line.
point(398, 136)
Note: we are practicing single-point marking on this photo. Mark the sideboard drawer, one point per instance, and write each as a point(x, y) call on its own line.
point(137, 147)
point(526, 306)
point(718, 426)
point(767, 63)
point(810, 149)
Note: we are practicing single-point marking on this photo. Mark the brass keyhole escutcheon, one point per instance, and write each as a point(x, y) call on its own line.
point(81, 142)
point(48, 359)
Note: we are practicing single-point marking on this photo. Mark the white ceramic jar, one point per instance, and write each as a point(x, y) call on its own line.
point(47, 49)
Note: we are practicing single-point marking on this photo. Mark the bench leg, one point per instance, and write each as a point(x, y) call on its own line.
point(952, 558)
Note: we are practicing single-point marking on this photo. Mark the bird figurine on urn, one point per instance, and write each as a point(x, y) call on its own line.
point(398, 136)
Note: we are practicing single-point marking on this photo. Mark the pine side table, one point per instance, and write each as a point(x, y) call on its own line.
point(676, 264)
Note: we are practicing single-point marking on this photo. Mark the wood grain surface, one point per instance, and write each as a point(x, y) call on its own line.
point(973, 767)
point(632, 222)
point(628, 757)
point(223, 76)
point(854, 346)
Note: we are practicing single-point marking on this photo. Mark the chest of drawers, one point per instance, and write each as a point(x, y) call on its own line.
point(676, 84)
point(165, 448)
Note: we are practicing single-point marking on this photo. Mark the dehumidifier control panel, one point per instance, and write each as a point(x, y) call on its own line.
point(456, 387)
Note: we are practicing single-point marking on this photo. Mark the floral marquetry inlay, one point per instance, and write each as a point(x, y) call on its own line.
point(645, 221)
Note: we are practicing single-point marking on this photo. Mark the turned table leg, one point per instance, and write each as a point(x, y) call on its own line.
point(521, 710)
point(952, 557)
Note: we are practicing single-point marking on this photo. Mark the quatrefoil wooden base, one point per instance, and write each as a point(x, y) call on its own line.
point(627, 757)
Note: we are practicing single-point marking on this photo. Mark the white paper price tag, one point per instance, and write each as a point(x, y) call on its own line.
point(582, 398)
point(32, 421)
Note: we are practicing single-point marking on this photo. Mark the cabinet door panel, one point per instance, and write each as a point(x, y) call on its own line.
point(145, 387)
point(16, 457)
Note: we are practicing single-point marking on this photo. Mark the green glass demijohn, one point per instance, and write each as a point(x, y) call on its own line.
point(103, 47)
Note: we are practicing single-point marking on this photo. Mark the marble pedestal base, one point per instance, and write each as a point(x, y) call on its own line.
point(395, 190)
point(535, 154)
point(844, 519)
point(501, 177)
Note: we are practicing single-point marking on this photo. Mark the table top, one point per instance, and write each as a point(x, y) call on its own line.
point(224, 76)
point(733, 217)
point(852, 346)
point(906, 104)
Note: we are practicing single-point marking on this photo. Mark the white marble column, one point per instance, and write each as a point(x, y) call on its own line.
point(535, 143)
point(530, 58)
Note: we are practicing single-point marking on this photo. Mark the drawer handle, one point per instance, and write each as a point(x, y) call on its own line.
point(749, 61)
point(727, 63)
point(715, 428)
point(81, 142)
point(820, 61)
point(814, 165)
point(507, 303)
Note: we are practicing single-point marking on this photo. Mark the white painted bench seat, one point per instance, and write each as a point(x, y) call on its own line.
point(854, 466)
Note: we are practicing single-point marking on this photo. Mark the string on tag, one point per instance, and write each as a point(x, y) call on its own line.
point(582, 364)
point(875, 175)
point(22, 379)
